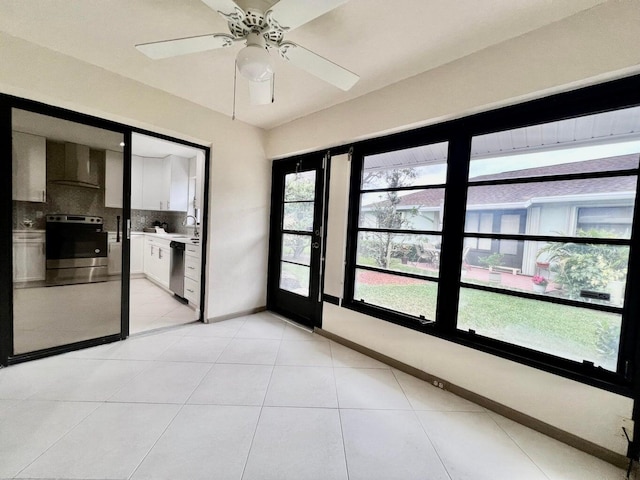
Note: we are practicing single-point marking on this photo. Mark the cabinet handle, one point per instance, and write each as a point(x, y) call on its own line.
point(160, 253)
point(152, 250)
point(191, 268)
point(160, 205)
point(189, 290)
point(44, 196)
point(168, 205)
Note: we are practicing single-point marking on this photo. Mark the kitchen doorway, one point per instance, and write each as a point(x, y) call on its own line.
point(167, 200)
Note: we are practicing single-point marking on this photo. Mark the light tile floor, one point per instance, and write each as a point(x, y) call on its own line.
point(151, 307)
point(256, 398)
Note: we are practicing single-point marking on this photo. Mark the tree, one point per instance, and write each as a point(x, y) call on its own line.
point(380, 245)
point(579, 266)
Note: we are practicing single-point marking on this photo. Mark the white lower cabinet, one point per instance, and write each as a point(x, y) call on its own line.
point(157, 260)
point(29, 256)
point(192, 269)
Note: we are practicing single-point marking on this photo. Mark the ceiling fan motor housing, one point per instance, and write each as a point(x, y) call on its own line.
point(242, 24)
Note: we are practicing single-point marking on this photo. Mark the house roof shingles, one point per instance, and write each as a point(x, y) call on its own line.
point(522, 192)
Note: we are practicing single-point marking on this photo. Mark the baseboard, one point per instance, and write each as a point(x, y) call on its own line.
point(241, 313)
point(508, 412)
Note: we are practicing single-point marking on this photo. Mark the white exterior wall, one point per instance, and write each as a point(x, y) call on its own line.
point(240, 174)
point(598, 44)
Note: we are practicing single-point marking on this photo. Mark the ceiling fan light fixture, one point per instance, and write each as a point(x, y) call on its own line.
point(254, 63)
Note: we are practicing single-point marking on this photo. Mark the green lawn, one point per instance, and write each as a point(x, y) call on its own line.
point(570, 332)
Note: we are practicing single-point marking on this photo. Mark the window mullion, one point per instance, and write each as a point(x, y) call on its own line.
point(455, 202)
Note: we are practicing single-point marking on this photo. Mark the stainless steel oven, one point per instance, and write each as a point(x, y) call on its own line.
point(76, 249)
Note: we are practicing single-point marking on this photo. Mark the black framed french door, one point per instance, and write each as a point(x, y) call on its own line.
point(296, 242)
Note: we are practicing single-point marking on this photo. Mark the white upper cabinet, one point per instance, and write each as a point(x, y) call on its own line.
point(29, 167)
point(137, 174)
point(154, 189)
point(113, 179)
point(160, 183)
point(178, 168)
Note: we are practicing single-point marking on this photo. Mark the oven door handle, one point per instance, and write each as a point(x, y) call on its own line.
point(128, 228)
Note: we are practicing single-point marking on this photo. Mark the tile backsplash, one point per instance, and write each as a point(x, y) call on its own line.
point(85, 201)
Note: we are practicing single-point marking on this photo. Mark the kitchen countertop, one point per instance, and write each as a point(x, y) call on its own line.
point(176, 237)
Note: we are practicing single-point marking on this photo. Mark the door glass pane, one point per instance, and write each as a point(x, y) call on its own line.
point(296, 248)
point(295, 278)
point(298, 216)
point(67, 242)
point(300, 186)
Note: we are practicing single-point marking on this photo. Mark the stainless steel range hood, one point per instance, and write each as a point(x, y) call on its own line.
point(77, 167)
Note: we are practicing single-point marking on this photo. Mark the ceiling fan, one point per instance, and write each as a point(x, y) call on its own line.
point(261, 32)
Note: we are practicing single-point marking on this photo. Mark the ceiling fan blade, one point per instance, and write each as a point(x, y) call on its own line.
point(226, 7)
point(318, 66)
point(261, 93)
point(182, 46)
point(290, 14)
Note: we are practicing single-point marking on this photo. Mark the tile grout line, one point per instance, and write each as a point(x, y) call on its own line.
point(255, 431)
point(518, 445)
point(61, 436)
point(415, 414)
point(335, 382)
point(156, 441)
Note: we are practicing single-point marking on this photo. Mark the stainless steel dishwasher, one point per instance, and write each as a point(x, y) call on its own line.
point(176, 281)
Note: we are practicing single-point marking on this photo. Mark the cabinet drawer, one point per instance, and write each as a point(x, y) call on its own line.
point(192, 291)
point(192, 250)
point(192, 268)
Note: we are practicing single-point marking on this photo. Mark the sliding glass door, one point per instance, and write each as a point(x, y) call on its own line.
point(67, 234)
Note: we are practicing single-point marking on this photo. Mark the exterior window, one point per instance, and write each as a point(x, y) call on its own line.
point(517, 242)
point(554, 277)
point(399, 230)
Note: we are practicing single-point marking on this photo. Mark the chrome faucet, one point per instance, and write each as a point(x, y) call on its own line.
point(196, 233)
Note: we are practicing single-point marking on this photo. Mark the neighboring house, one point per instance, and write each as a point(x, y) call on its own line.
point(541, 208)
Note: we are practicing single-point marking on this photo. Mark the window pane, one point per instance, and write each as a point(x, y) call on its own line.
point(401, 294)
point(561, 208)
point(570, 332)
point(298, 216)
point(296, 248)
point(559, 147)
point(400, 252)
point(412, 210)
point(616, 220)
point(565, 270)
point(424, 165)
point(294, 278)
point(300, 186)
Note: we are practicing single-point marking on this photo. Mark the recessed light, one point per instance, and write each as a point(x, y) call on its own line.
point(122, 144)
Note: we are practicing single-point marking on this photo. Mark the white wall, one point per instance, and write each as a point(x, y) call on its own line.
point(240, 175)
point(598, 44)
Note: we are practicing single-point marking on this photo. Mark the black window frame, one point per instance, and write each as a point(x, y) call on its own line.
point(610, 96)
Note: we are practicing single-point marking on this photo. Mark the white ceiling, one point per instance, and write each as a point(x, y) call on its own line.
point(383, 41)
